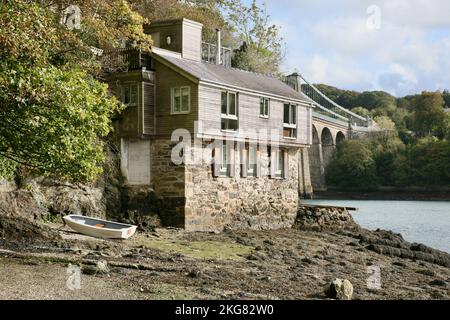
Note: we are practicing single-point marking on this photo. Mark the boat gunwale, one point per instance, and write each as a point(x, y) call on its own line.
point(128, 226)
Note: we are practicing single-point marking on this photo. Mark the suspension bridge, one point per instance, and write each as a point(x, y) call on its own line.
point(331, 124)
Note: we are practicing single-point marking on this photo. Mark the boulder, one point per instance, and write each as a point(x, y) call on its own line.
point(340, 289)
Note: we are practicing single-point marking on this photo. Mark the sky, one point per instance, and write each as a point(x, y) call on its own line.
point(399, 46)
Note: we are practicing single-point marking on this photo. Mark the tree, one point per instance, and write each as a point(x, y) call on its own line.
point(353, 166)
point(361, 111)
point(424, 164)
point(446, 96)
point(53, 112)
point(429, 117)
point(207, 12)
point(262, 46)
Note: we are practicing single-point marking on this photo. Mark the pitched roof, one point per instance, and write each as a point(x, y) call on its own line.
point(220, 75)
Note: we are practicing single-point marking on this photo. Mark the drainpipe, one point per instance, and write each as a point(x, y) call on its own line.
point(219, 47)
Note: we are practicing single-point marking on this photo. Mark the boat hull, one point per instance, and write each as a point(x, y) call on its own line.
point(100, 228)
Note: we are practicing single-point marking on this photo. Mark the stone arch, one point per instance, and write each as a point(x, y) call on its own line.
point(328, 146)
point(315, 160)
point(340, 136)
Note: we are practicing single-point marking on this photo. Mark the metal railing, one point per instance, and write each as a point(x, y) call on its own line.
point(325, 105)
point(209, 54)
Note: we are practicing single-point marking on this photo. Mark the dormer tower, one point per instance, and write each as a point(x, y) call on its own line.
point(183, 36)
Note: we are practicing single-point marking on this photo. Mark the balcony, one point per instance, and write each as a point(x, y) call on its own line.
point(209, 54)
point(126, 60)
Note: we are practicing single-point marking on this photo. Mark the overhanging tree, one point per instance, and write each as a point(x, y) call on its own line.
point(53, 111)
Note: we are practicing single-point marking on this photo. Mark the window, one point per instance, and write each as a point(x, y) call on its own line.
point(278, 163)
point(290, 121)
point(264, 106)
point(129, 94)
point(251, 158)
point(181, 100)
point(229, 110)
point(224, 160)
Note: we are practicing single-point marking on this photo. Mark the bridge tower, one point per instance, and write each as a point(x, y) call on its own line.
point(331, 124)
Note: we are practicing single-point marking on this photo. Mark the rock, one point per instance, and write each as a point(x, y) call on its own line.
point(195, 274)
point(20, 229)
point(340, 289)
point(89, 270)
point(438, 283)
point(427, 272)
point(102, 266)
point(307, 260)
point(399, 264)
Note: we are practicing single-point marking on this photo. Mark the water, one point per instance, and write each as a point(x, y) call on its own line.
point(426, 222)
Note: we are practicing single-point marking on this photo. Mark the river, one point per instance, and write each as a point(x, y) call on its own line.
point(426, 222)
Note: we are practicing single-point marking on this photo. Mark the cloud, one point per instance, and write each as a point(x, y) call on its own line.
point(398, 79)
point(337, 72)
point(407, 54)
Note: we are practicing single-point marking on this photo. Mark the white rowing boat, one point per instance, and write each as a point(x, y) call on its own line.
point(100, 228)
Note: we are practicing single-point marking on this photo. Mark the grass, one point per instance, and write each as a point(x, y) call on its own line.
point(198, 249)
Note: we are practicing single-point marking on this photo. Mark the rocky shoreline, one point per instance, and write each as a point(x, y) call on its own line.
point(296, 263)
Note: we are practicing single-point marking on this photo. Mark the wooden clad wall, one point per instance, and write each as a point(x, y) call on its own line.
point(250, 123)
point(166, 122)
point(192, 41)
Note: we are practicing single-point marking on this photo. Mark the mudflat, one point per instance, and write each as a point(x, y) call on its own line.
point(174, 264)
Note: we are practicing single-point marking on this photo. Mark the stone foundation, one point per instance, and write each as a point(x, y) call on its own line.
point(215, 204)
point(168, 181)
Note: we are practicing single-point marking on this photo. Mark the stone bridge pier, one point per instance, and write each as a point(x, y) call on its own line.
point(324, 138)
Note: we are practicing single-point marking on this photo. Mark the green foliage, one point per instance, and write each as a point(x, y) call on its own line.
point(385, 123)
point(361, 111)
point(7, 168)
point(426, 163)
point(207, 12)
point(51, 120)
point(429, 116)
point(53, 112)
point(446, 96)
point(365, 164)
point(262, 48)
point(353, 166)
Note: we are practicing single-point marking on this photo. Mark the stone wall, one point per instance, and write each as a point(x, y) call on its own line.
point(214, 204)
point(323, 218)
point(168, 182)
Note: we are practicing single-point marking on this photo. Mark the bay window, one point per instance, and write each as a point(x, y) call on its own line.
point(129, 95)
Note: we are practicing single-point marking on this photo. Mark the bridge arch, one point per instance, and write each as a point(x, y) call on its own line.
point(340, 136)
point(328, 146)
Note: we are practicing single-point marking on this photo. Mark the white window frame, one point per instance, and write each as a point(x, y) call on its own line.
point(128, 86)
point(292, 124)
point(228, 115)
point(263, 101)
point(172, 99)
